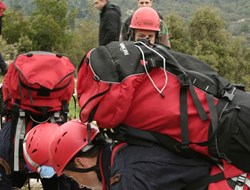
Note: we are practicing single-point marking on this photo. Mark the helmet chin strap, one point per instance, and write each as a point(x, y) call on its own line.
point(86, 170)
point(95, 168)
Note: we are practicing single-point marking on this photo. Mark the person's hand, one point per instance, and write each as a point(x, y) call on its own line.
point(145, 41)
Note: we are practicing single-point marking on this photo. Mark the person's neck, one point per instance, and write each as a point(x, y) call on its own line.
point(97, 187)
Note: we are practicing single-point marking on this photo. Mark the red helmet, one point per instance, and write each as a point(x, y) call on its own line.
point(36, 143)
point(72, 137)
point(145, 18)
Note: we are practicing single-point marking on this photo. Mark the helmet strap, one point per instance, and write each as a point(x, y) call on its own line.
point(95, 168)
point(131, 36)
point(84, 170)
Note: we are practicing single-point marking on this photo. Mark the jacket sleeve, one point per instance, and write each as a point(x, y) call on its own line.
point(164, 34)
point(126, 32)
point(2, 7)
point(112, 27)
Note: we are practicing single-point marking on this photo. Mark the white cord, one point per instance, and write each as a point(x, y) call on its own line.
point(164, 67)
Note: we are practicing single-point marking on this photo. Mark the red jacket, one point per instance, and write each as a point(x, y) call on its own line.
point(2, 8)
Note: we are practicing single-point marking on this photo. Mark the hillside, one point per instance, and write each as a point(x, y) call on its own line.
point(235, 12)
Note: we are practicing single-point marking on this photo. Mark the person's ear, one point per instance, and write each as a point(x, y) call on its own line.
point(80, 162)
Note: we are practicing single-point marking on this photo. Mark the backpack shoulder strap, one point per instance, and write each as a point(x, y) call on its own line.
point(204, 181)
point(115, 150)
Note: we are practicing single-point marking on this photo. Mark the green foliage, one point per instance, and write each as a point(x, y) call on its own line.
point(80, 41)
point(177, 31)
point(14, 26)
point(24, 44)
point(206, 24)
point(45, 36)
point(205, 36)
point(57, 10)
point(8, 51)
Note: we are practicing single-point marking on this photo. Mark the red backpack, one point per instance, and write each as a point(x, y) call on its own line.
point(37, 88)
point(39, 82)
point(167, 97)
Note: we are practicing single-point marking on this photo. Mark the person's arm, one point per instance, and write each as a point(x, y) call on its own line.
point(164, 34)
point(112, 27)
point(2, 8)
point(126, 32)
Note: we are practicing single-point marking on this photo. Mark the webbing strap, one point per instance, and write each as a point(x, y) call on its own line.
point(240, 181)
point(204, 181)
point(213, 115)
point(197, 103)
point(20, 132)
point(184, 116)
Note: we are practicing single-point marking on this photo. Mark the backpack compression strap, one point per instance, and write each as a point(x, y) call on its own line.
point(238, 182)
point(205, 181)
point(185, 86)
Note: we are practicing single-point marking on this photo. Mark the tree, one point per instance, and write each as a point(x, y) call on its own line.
point(212, 43)
point(207, 24)
point(84, 38)
point(8, 51)
point(208, 38)
point(15, 26)
point(49, 24)
point(46, 36)
point(178, 32)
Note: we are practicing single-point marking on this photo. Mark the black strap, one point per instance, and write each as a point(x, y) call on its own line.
point(197, 103)
point(65, 111)
point(213, 116)
point(184, 117)
point(83, 170)
point(135, 136)
point(205, 181)
point(185, 85)
point(131, 135)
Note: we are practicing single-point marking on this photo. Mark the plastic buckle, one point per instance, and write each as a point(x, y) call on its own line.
point(185, 146)
point(121, 133)
point(21, 114)
point(57, 115)
point(184, 81)
point(241, 180)
point(229, 95)
point(182, 147)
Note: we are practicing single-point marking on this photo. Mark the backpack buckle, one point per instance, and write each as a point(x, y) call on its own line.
point(241, 180)
point(121, 133)
point(182, 147)
point(184, 80)
point(229, 94)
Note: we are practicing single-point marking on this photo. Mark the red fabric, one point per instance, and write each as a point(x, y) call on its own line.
point(135, 102)
point(224, 184)
point(230, 170)
point(41, 70)
point(2, 8)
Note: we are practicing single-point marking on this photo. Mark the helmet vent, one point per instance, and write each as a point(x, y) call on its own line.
point(64, 133)
point(35, 150)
